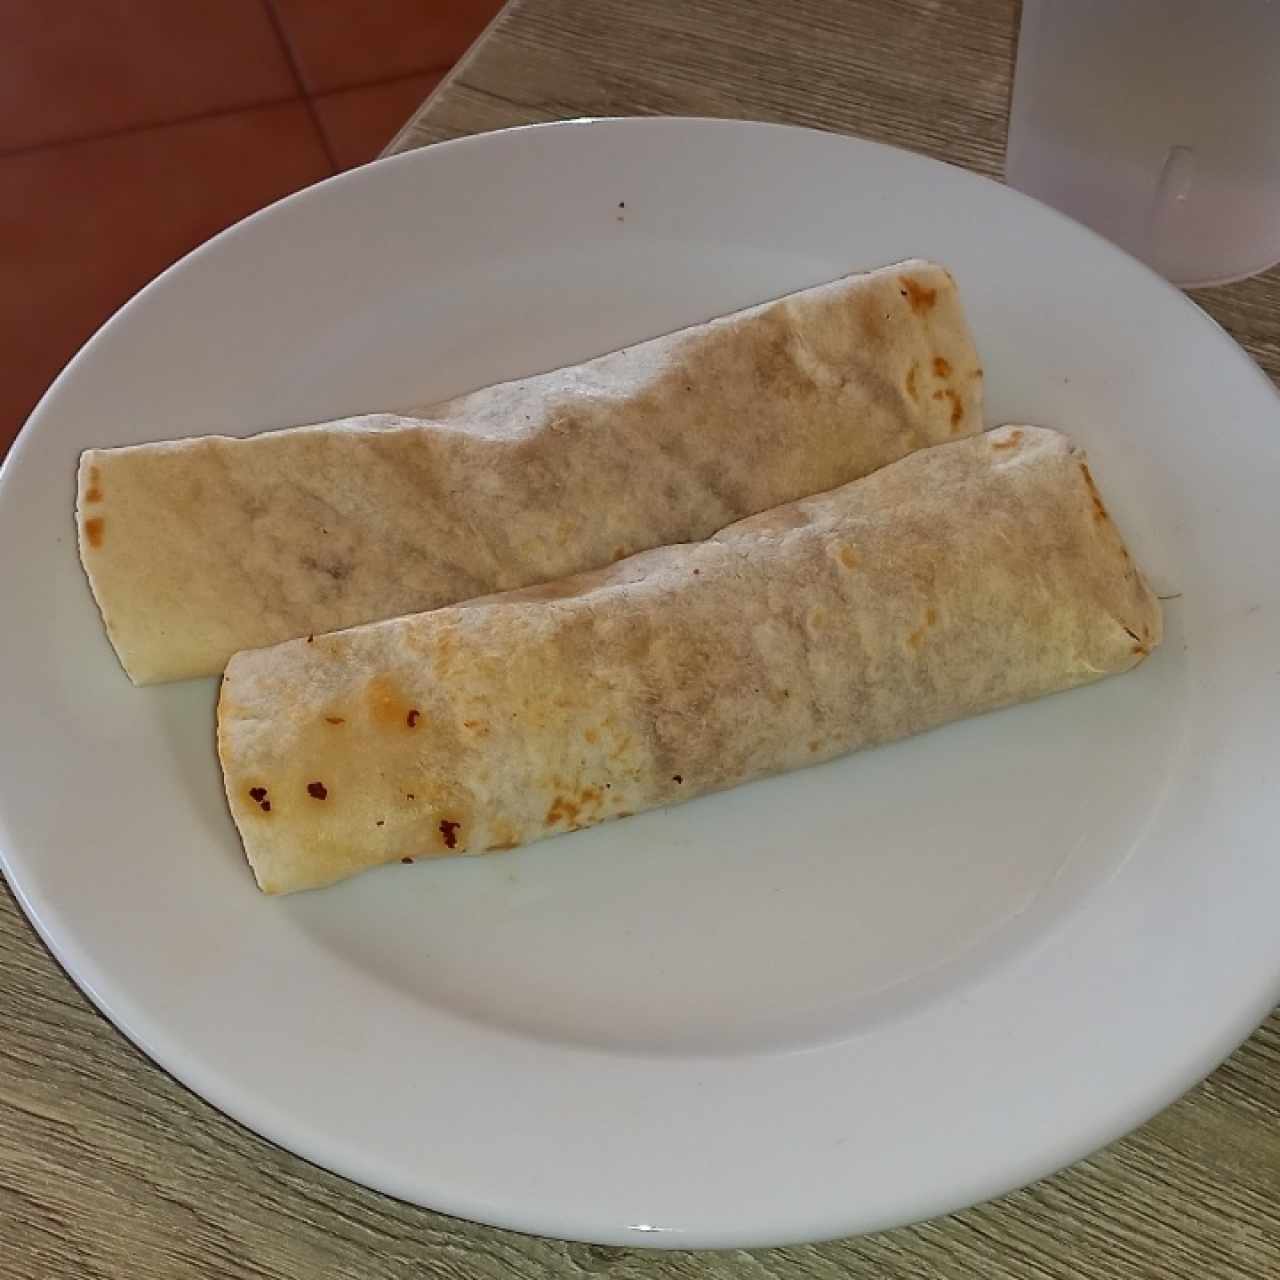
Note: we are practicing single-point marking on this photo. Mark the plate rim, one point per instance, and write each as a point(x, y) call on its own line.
point(237, 1106)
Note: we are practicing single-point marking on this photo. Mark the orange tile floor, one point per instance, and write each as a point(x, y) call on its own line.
point(132, 131)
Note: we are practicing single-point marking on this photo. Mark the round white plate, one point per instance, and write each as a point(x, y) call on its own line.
point(857, 995)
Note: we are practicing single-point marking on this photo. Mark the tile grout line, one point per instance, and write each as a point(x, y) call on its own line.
point(273, 16)
point(149, 126)
point(263, 104)
point(313, 115)
point(442, 70)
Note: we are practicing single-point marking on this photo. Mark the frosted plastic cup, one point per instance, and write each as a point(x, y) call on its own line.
point(1157, 123)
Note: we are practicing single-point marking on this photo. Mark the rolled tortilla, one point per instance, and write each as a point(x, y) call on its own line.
point(198, 548)
point(960, 579)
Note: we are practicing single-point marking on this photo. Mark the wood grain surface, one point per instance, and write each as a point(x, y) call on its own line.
point(110, 1169)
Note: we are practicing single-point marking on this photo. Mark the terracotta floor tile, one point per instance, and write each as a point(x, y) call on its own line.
point(360, 122)
point(84, 225)
point(339, 44)
point(97, 66)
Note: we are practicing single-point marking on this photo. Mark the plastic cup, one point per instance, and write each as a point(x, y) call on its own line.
point(1157, 123)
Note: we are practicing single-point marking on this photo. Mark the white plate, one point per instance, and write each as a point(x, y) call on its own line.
point(861, 994)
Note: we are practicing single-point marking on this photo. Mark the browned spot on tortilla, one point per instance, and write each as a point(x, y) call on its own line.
point(916, 638)
point(977, 373)
point(848, 557)
point(790, 515)
point(93, 531)
point(678, 779)
point(941, 366)
point(449, 833)
point(317, 790)
point(505, 836)
point(407, 860)
point(920, 298)
point(572, 809)
point(386, 702)
point(478, 727)
point(1099, 511)
point(561, 809)
point(94, 492)
point(938, 395)
point(381, 822)
point(869, 324)
point(259, 794)
point(1010, 441)
point(412, 717)
point(1139, 646)
point(911, 380)
point(591, 736)
point(813, 746)
point(957, 409)
point(619, 553)
point(334, 720)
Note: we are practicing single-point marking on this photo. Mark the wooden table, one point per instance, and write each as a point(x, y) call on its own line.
point(110, 1169)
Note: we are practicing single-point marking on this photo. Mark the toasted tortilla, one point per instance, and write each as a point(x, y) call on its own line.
point(197, 548)
point(960, 579)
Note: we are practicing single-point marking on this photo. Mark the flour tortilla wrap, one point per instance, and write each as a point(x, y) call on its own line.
point(198, 548)
point(960, 579)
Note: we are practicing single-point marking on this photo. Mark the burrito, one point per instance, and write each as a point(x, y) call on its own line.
point(960, 579)
point(197, 548)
